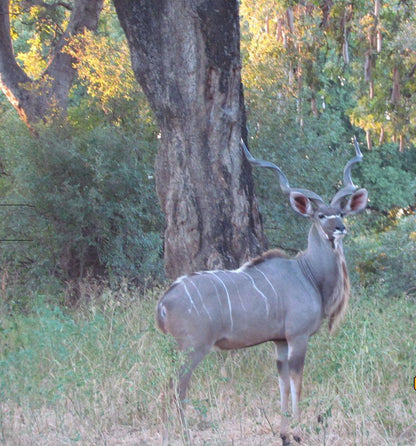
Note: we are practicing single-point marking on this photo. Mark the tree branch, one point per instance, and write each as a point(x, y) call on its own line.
point(50, 6)
point(12, 77)
point(412, 72)
point(46, 97)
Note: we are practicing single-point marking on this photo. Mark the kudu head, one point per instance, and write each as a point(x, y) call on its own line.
point(328, 219)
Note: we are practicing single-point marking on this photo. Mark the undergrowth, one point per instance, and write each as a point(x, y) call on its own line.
point(98, 375)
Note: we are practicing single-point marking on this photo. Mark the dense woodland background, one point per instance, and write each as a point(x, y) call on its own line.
point(314, 75)
point(82, 230)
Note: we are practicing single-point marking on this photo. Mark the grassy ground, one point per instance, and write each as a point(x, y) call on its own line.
point(96, 377)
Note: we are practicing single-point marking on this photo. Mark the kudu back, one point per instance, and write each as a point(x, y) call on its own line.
point(271, 298)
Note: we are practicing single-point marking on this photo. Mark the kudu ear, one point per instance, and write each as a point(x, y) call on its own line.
point(356, 203)
point(301, 204)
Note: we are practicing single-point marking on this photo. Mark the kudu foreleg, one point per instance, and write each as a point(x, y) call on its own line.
point(290, 362)
point(297, 353)
point(284, 384)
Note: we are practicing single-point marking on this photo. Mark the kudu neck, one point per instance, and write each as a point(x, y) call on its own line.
point(326, 263)
point(322, 259)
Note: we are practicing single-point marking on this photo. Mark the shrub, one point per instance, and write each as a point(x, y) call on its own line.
point(94, 205)
point(386, 261)
point(389, 177)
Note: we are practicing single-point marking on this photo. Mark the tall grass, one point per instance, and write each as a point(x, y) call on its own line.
point(97, 376)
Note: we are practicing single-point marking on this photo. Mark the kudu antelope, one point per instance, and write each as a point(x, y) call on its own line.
point(271, 298)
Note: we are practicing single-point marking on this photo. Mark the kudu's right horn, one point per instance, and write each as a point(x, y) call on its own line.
point(284, 182)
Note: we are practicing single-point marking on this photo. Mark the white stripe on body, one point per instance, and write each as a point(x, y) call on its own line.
point(218, 296)
point(267, 279)
point(266, 301)
point(189, 297)
point(278, 302)
point(227, 294)
point(238, 291)
point(200, 296)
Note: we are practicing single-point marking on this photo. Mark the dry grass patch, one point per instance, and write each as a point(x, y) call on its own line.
point(97, 377)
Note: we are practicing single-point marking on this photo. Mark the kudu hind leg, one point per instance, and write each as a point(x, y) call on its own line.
point(193, 356)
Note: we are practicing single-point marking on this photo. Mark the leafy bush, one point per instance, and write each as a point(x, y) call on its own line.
point(94, 205)
point(387, 261)
point(390, 177)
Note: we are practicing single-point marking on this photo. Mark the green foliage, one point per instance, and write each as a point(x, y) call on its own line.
point(302, 96)
point(390, 178)
point(94, 209)
point(35, 30)
point(103, 68)
point(105, 88)
point(386, 262)
point(88, 365)
point(384, 48)
point(312, 157)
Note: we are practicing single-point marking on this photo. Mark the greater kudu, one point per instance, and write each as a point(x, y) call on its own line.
point(271, 298)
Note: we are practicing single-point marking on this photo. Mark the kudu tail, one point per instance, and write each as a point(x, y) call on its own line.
point(161, 315)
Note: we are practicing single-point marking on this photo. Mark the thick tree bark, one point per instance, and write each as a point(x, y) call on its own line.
point(185, 55)
point(45, 98)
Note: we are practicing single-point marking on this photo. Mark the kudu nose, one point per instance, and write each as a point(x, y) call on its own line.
point(340, 228)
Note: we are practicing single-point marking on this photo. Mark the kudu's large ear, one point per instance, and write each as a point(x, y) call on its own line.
point(356, 203)
point(301, 204)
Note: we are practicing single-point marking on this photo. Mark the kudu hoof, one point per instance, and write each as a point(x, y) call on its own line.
point(286, 439)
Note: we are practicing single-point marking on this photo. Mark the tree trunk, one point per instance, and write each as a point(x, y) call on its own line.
point(186, 57)
point(369, 140)
point(395, 91)
point(44, 98)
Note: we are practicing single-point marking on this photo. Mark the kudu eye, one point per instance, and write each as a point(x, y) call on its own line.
point(321, 216)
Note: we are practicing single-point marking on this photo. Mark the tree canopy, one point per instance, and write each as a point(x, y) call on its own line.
point(301, 51)
point(37, 79)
